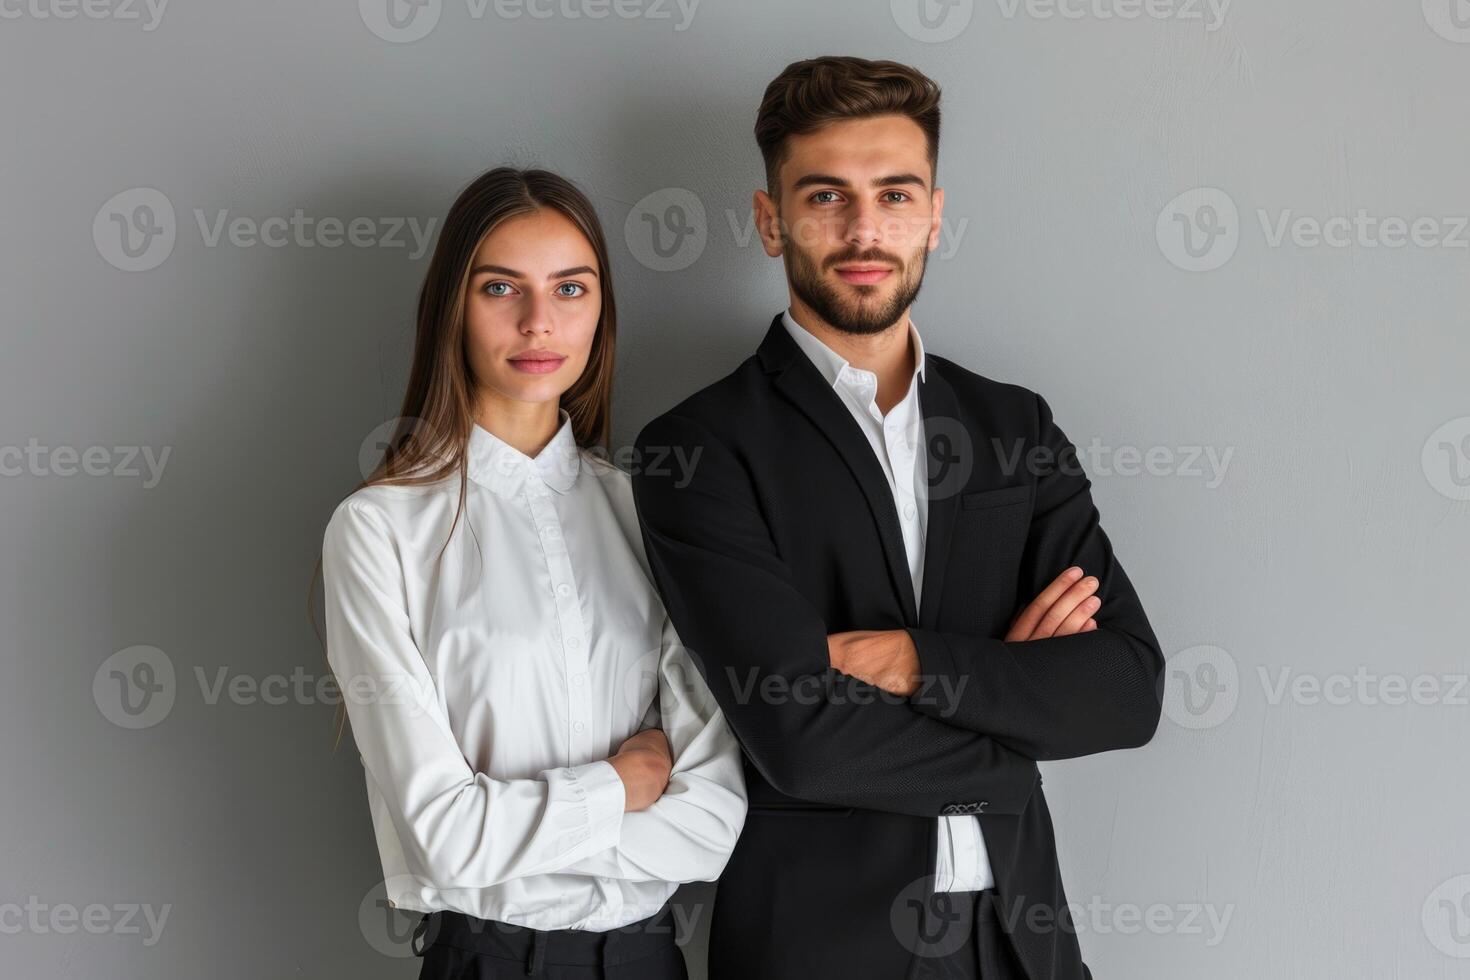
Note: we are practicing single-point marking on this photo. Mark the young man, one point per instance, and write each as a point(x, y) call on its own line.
point(846, 560)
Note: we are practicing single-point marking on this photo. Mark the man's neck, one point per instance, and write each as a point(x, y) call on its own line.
point(889, 353)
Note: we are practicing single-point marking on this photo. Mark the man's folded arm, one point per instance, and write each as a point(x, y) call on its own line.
point(1061, 697)
point(813, 733)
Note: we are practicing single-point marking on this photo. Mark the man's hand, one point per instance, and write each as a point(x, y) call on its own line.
point(644, 763)
point(886, 659)
point(1063, 608)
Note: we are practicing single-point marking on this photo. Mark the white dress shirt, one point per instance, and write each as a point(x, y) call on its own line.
point(487, 685)
point(962, 861)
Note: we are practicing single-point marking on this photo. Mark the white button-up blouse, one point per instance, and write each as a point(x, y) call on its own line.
point(487, 683)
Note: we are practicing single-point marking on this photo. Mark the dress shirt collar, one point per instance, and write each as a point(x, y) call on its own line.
point(504, 469)
point(831, 363)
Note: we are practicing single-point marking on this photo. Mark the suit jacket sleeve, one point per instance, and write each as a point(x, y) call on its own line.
point(1060, 697)
point(811, 732)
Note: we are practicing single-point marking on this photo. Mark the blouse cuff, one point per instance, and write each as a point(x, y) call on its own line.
point(603, 795)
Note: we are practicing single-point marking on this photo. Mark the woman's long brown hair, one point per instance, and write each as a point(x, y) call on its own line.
point(429, 441)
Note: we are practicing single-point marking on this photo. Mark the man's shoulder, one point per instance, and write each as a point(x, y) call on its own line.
point(972, 387)
point(720, 406)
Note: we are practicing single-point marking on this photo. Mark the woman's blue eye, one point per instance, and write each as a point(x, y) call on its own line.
point(497, 288)
point(577, 289)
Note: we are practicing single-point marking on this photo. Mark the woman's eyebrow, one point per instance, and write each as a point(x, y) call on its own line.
point(501, 270)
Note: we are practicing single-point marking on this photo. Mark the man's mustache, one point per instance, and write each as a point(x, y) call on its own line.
point(849, 257)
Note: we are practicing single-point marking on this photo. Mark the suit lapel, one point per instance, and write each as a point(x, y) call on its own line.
point(798, 379)
point(945, 437)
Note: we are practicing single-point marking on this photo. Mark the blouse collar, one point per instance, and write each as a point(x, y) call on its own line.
point(504, 469)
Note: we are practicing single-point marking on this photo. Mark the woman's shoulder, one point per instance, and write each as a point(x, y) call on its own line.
point(376, 508)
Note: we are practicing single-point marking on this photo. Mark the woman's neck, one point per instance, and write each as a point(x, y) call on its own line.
point(525, 426)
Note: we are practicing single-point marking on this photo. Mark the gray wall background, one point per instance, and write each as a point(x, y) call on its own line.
point(1302, 811)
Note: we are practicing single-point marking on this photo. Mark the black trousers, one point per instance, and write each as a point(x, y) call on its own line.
point(965, 940)
point(456, 946)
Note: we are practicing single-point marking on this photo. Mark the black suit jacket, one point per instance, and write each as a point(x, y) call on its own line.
point(769, 524)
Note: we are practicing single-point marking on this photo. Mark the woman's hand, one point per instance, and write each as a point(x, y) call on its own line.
point(644, 763)
point(1063, 608)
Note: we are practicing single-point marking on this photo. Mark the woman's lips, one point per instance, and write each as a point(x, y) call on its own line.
point(863, 275)
point(537, 364)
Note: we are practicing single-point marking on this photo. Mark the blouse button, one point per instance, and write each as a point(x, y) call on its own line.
point(564, 589)
point(578, 727)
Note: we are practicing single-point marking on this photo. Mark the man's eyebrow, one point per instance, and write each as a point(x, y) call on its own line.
point(896, 179)
point(501, 270)
point(809, 179)
point(892, 180)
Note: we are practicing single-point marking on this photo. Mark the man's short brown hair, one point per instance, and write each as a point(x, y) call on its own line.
point(809, 94)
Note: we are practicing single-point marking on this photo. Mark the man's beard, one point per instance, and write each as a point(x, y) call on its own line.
point(842, 313)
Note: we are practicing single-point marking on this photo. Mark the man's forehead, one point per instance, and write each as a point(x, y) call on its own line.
point(859, 150)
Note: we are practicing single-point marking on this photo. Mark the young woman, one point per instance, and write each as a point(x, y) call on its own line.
point(544, 763)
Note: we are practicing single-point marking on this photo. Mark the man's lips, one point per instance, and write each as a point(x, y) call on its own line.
point(863, 275)
point(537, 362)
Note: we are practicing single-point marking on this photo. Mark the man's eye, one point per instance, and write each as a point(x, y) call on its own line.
point(824, 197)
point(571, 289)
point(498, 287)
point(896, 197)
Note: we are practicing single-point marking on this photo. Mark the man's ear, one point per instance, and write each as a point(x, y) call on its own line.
point(937, 222)
point(768, 223)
